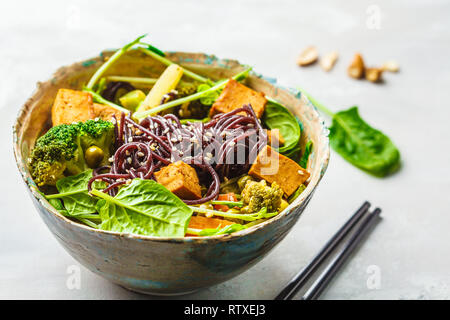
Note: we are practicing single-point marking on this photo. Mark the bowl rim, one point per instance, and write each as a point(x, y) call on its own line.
point(223, 237)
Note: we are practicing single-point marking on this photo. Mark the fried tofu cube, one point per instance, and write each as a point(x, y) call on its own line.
point(71, 106)
point(274, 167)
point(275, 138)
point(181, 179)
point(103, 112)
point(75, 106)
point(235, 95)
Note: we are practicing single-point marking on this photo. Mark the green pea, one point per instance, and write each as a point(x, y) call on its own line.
point(94, 156)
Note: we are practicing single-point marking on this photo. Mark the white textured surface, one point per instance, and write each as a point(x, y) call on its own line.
point(410, 246)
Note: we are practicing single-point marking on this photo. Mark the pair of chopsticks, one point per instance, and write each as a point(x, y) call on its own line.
point(366, 220)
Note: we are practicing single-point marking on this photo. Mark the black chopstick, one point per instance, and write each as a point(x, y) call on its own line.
point(327, 275)
point(304, 275)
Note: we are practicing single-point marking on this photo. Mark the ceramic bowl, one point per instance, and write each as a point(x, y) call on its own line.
point(155, 265)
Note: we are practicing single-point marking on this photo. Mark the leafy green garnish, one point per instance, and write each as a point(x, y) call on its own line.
point(225, 230)
point(360, 144)
point(58, 205)
point(156, 50)
point(99, 99)
point(208, 99)
point(295, 152)
point(230, 204)
point(297, 192)
point(276, 116)
point(262, 214)
point(204, 120)
point(135, 80)
point(100, 86)
point(144, 207)
point(84, 218)
point(100, 71)
point(73, 191)
point(305, 156)
point(219, 85)
point(167, 62)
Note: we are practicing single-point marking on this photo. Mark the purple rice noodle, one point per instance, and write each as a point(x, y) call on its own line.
point(212, 148)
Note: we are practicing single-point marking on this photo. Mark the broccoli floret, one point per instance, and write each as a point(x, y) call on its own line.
point(194, 109)
point(242, 182)
point(187, 89)
point(257, 195)
point(61, 151)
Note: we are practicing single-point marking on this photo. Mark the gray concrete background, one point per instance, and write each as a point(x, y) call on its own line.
point(409, 249)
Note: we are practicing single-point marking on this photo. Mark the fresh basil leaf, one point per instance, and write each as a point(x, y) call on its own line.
point(144, 207)
point(225, 230)
point(305, 156)
point(276, 116)
point(362, 145)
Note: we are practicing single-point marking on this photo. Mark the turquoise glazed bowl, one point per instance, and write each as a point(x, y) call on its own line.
point(166, 265)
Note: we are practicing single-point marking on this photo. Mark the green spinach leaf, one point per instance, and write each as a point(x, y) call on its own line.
point(84, 218)
point(363, 146)
point(144, 207)
point(305, 156)
point(356, 141)
point(57, 204)
point(73, 192)
point(294, 153)
point(276, 116)
point(119, 219)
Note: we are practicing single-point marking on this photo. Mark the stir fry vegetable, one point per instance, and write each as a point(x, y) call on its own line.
point(174, 158)
point(67, 150)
